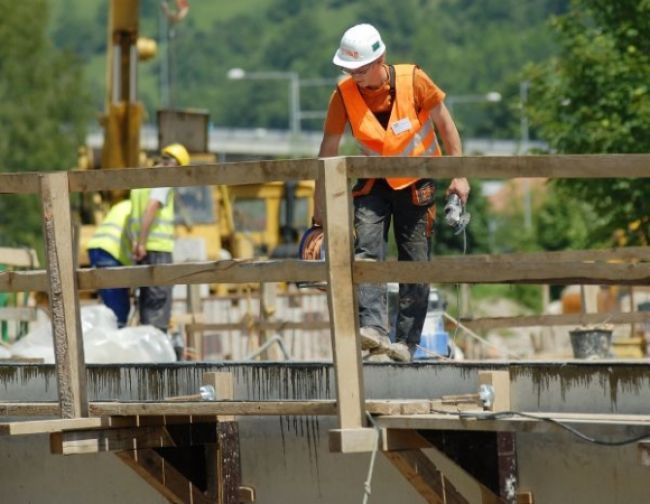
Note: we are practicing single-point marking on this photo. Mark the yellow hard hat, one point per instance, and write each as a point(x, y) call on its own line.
point(178, 152)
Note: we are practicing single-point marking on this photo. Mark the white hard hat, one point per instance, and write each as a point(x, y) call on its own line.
point(360, 45)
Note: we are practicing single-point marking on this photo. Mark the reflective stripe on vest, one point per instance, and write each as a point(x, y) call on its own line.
point(161, 232)
point(415, 137)
point(112, 236)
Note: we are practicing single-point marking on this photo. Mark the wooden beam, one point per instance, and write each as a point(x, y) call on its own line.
point(466, 270)
point(342, 299)
point(199, 411)
point(95, 441)
point(500, 381)
point(464, 484)
point(23, 314)
point(63, 296)
point(486, 324)
point(402, 439)
point(19, 257)
point(20, 281)
point(239, 173)
point(163, 477)
point(422, 474)
point(275, 325)
point(605, 424)
point(593, 255)
point(46, 426)
point(498, 167)
point(20, 183)
point(207, 272)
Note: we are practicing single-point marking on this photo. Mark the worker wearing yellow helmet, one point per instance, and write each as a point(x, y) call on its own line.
point(152, 230)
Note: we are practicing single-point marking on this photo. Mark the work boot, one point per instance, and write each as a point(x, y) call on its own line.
point(377, 357)
point(373, 340)
point(399, 352)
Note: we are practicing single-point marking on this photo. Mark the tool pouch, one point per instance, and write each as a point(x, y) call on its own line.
point(423, 192)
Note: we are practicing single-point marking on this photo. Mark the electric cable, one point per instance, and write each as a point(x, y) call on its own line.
point(367, 488)
point(500, 415)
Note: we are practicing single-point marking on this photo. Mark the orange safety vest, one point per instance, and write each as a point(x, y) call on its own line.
point(409, 132)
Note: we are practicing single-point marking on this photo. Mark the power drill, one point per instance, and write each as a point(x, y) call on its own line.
point(455, 214)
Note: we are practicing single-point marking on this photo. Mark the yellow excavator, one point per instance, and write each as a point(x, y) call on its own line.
point(237, 221)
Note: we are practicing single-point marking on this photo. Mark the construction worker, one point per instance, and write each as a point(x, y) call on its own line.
point(391, 111)
point(152, 232)
point(110, 246)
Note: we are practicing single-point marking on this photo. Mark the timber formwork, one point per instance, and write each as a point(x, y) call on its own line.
point(418, 431)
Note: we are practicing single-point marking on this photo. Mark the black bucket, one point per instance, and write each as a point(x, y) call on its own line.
point(591, 343)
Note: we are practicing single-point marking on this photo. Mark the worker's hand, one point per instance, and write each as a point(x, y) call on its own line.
point(139, 252)
point(459, 186)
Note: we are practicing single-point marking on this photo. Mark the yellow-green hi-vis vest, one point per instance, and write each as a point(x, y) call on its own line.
point(161, 233)
point(112, 235)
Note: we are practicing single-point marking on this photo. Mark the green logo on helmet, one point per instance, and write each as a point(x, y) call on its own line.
point(375, 46)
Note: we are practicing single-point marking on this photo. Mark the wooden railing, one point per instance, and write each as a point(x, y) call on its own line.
point(63, 280)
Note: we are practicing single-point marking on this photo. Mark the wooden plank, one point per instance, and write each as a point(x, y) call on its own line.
point(466, 270)
point(402, 439)
point(20, 183)
point(224, 388)
point(199, 409)
point(63, 296)
point(259, 408)
point(20, 281)
point(268, 307)
point(79, 442)
point(275, 325)
point(19, 257)
point(613, 254)
point(348, 440)
point(605, 424)
point(500, 381)
point(421, 473)
point(498, 167)
point(341, 293)
point(163, 477)
point(465, 484)
point(398, 406)
point(239, 173)
point(207, 272)
point(29, 409)
point(23, 314)
point(486, 324)
point(46, 426)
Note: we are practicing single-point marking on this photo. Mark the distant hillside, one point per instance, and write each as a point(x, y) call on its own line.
point(468, 47)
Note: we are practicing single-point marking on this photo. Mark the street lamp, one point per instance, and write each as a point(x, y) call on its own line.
point(294, 90)
point(490, 97)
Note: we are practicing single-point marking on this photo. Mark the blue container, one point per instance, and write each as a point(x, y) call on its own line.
point(434, 340)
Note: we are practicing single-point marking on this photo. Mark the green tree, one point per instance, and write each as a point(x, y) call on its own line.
point(595, 98)
point(43, 111)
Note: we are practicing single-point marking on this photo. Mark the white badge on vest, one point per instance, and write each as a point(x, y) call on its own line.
point(401, 126)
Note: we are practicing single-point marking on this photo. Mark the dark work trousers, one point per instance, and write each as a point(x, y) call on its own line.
point(118, 300)
point(155, 302)
point(413, 211)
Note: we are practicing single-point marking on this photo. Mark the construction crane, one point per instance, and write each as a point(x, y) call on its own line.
point(239, 221)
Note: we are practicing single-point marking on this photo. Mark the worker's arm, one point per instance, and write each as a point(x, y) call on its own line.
point(329, 147)
point(139, 247)
point(453, 147)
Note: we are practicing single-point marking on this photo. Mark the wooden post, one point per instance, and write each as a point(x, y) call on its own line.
point(195, 308)
point(268, 302)
point(342, 300)
point(63, 296)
